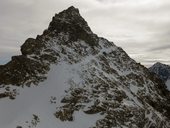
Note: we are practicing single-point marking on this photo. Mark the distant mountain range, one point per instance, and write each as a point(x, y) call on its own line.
point(68, 77)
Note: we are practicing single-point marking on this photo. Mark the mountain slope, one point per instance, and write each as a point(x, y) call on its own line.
point(83, 81)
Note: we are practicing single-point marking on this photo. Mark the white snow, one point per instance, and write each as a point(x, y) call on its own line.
point(132, 97)
point(134, 88)
point(36, 100)
point(168, 84)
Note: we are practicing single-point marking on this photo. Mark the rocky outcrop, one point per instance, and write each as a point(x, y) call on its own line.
point(70, 21)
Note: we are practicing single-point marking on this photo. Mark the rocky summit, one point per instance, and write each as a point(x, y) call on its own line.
point(68, 77)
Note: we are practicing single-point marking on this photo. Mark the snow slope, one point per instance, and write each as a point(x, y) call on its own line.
point(42, 100)
point(36, 100)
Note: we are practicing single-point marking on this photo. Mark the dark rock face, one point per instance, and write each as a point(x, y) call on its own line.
point(162, 70)
point(20, 70)
point(70, 21)
point(32, 46)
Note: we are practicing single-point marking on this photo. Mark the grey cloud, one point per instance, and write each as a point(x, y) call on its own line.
point(165, 47)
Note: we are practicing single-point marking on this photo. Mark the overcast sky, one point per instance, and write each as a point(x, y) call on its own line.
point(140, 27)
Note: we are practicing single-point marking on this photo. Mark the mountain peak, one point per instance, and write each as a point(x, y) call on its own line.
point(70, 21)
point(158, 63)
point(83, 81)
point(162, 70)
point(69, 14)
point(72, 9)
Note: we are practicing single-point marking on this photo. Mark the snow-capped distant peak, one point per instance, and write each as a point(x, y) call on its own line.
point(162, 70)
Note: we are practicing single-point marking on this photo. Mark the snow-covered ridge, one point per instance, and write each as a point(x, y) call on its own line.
point(83, 81)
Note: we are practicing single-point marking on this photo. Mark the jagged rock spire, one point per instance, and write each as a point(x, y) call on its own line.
point(70, 21)
point(68, 17)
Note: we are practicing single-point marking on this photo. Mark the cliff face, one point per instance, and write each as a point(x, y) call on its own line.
point(85, 76)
